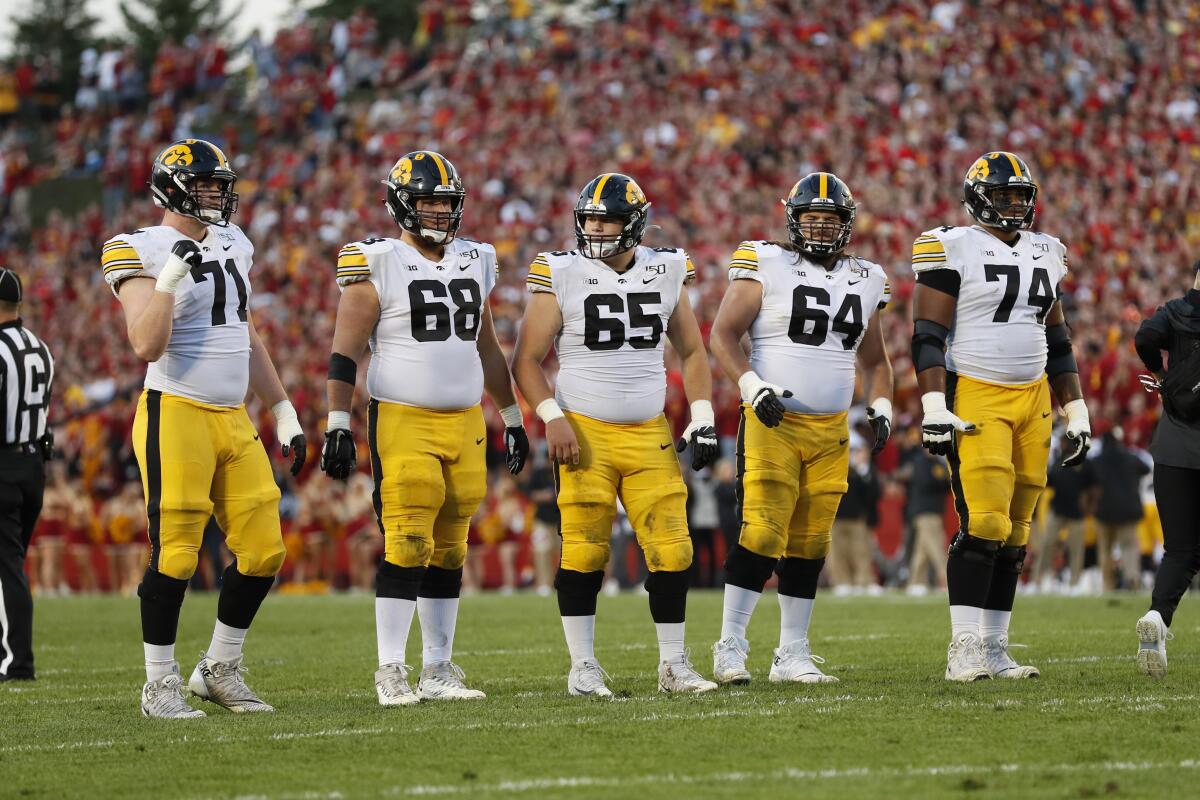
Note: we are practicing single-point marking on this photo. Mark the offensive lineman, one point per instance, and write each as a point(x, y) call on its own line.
point(811, 312)
point(605, 308)
point(988, 330)
point(420, 302)
point(184, 287)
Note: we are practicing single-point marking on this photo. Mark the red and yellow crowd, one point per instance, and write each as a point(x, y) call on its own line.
point(715, 107)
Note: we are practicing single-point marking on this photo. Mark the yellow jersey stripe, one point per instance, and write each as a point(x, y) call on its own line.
point(921, 248)
point(600, 187)
point(117, 265)
point(743, 262)
point(351, 260)
point(441, 165)
point(120, 254)
point(539, 282)
point(928, 259)
point(115, 243)
point(348, 273)
point(541, 268)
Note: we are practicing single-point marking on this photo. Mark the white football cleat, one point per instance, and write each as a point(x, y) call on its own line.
point(1152, 635)
point(391, 686)
point(964, 659)
point(221, 682)
point(1001, 665)
point(163, 698)
point(444, 681)
point(587, 679)
point(795, 663)
point(678, 676)
point(729, 661)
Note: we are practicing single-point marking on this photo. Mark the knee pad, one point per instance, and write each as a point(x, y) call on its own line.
point(747, 569)
point(798, 576)
point(408, 549)
point(441, 583)
point(972, 548)
point(159, 588)
point(177, 562)
point(768, 500)
point(265, 564)
point(449, 557)
point(1011, 560)
point(586, 530)
point(809, 546)
point(401, 583)
point(668, 556)
point(993, 526)
point(585, 556)
point(577, 592)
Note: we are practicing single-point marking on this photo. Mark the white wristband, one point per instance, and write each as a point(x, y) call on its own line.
point(1077, 410)
point(284, 410)
point(932, 402)
point(338, 420)
point(171, 274)
point(548, 410)
point(748, 384)
point(702, 411)
point(882, 407)
point(512, 416)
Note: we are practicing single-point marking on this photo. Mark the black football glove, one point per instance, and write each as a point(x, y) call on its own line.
point(290, 434)
point(702, 436)
point(880, 417)
point(763, 397)
point(46, 444)
point(939, 424)
point(1079, 432)
point(516, 447)
point(188, 251)
point(339, 458)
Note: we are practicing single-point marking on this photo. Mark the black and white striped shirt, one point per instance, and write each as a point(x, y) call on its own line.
point(26, 373)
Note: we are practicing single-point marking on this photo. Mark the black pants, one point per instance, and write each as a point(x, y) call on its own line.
point(22, 480)
point(1177, 494)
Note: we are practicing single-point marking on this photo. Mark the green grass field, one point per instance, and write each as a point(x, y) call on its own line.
point(1092, 726)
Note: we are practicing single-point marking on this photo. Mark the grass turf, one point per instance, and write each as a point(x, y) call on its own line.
point(1091, 726)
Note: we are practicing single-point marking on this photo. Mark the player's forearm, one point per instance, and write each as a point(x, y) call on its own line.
point(697, 376)
point(879, 380)
point(530, 379)
point(264, 379)
point(150, 333)
point(932, 379)
point(497, 380)
point(340, 395)
point(1066, 387)
point(727, 350)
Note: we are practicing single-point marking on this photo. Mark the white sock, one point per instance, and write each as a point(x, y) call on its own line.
point(226, 643)
point(393, 618)
point(438, 618)
point(160, 660)
point(670, 640)
point(794, 616)
point(993, 624)
point(964, 619)
point(581, 637)
point(739, 607)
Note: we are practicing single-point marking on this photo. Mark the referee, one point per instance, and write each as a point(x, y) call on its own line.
point(26, 372)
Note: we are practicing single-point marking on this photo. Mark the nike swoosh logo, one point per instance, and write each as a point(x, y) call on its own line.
point(853, 283)
point(842, 442)
point(468, 266)
point(256, 437)
point(664, 446)
point(1048, 413)
point(228, 246)
point(1035, 258)
point(480, 440)
point(647, 280)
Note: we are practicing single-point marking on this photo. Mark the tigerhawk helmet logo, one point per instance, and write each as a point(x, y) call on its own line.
point(179, 154)
point(634, 194)
point(402, 172)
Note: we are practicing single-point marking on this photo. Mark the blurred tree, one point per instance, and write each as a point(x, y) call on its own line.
point(396, 19)
point(60, 30)
point(151, 22)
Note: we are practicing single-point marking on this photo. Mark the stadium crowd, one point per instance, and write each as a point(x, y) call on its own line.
point(715, 107)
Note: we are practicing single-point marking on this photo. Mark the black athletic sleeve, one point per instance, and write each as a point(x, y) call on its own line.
point(1153, 336)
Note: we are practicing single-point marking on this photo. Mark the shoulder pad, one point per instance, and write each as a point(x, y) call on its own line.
point(353, 262)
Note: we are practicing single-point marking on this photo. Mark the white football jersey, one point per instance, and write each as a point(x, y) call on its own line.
point(208, 355)
point(811, 322)
point(1005, 293)
point(423, 350)
point(610, 348)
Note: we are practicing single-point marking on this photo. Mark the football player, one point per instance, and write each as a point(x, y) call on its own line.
point(810, 310)
point(605, 308)
point(988, 330)
point(184, 287)
point(420, 302)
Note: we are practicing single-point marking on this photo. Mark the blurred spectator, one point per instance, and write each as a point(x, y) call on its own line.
point(727, 507)
point(704, 519)
point(927, 478)
point(1073, 499)
point(544, 537)
point(851, 551)
point(1118, 474)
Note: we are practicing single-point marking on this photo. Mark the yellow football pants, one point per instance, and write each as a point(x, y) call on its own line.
point(998, 472)
point(430, 473)
point(637, 463)
point(790, 482)
point(198, 460)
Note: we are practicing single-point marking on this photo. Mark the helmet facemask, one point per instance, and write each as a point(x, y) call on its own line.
point(435, 227)
point(1008, 216)
point(602, 245)
point(210, 205)
point(820, 238)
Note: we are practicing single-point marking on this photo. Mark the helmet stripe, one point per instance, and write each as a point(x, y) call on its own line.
point(824, 186)
point(600, 187)
point(441, 167)
point(1016, 165)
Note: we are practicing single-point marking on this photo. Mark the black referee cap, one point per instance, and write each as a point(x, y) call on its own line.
point(10, 286)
